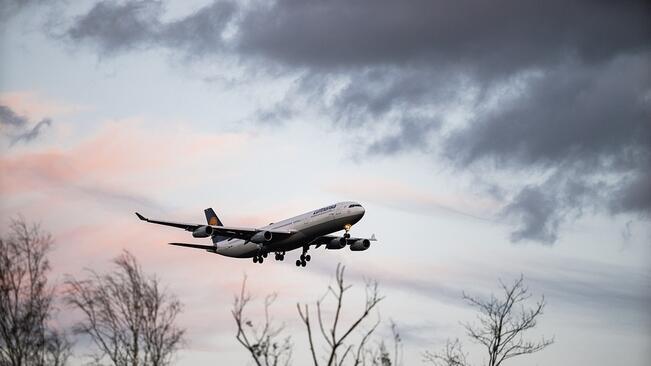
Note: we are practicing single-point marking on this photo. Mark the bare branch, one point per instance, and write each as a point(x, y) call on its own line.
point(26, 299)
point(503, 321)
point(130, 320)
point(334, 334)
point(451, 355)
point(264, 343)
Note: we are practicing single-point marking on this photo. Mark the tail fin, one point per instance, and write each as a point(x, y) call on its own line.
point(212, 219)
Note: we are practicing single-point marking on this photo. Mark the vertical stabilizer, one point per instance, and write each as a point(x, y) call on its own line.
point(213, 220)
point(211, 217)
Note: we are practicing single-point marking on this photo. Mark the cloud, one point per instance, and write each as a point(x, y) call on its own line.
point(530, 89)
point(9, 8)
point(16, 127)
point(113, 165)
point(555, 87)
point(32, 133)
point(116, 27)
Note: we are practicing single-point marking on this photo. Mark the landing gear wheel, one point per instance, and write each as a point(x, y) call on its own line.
point(347, 236)
point(255, 259)
point(277, 257)
point(298, 262)
point(308, 257)
point(264, 254)
point(302, 257)
point(303, 263)
point(260, 260)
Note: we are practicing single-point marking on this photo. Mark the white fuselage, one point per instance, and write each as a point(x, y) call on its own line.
point(306, 227)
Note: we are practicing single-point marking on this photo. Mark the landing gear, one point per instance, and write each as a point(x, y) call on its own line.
point(347, 229)
point(279, 256)
point(304, 258)
point(301, 263)
point(258, 259)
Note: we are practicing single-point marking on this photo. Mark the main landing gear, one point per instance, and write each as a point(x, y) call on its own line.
point(260, 258)
point(304, 258)
point(280, 256)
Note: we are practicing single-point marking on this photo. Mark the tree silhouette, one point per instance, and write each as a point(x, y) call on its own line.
point(126, 314)
point(27, 301)
point(502, 324)
point(264, 342)
point(335, 334)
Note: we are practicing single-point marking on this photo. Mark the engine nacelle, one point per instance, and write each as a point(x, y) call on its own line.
point(360, 244)
point(202, 232)
point(336, 243)
point(262, 236)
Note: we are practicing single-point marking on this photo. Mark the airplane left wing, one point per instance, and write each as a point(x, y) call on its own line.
point(228, 231)
point(208, 248)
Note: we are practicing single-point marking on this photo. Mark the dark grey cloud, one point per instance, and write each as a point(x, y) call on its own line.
point(584, 124)
point(32, 133)
point(17, 128)
point(9, 8)
point(115, 27)
point(494, 37)
point(571, 80)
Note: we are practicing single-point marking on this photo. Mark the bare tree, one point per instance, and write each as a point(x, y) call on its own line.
point(126, 314)
point(502, 324)
point(27, 301)
point(334, 334)
point(451, 355)
point(264, 342)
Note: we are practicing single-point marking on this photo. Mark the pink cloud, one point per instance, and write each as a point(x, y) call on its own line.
point(35, 106)
point(119, 153)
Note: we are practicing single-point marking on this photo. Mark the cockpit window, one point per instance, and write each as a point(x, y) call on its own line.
point(355, 205)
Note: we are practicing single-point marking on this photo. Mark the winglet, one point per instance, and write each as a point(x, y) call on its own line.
point(141, 217)
point(373, 238)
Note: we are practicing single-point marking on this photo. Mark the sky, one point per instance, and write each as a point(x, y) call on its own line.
point(485, 140)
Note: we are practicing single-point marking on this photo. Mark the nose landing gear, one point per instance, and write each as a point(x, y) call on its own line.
point(347, 229)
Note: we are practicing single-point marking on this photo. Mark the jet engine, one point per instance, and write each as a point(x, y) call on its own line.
point(336, 243)
point(202, 232)
point(360, 244)
point(261, 236)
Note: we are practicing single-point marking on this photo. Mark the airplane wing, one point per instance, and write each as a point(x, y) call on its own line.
point(228, 231)
point(208, 248)
point(323, 240)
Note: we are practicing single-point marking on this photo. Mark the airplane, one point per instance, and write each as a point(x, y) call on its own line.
point(309, 229)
